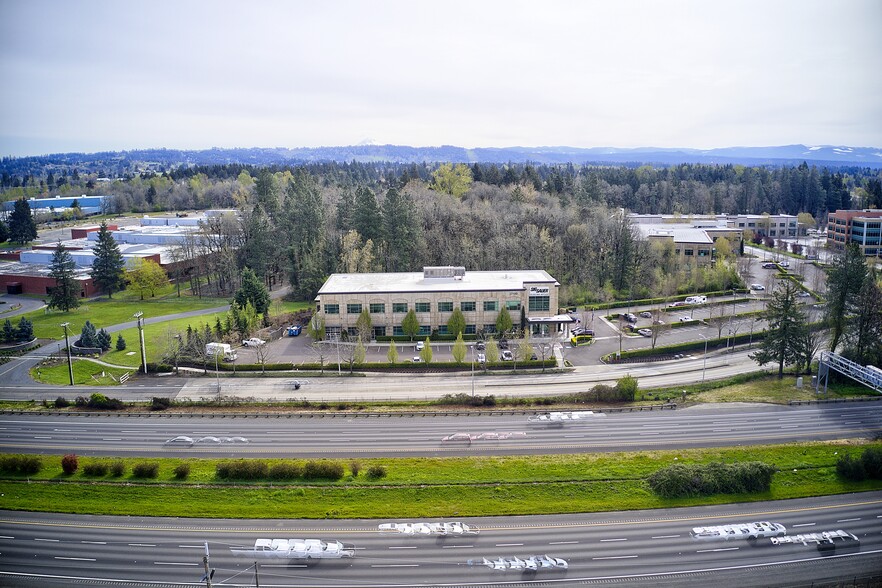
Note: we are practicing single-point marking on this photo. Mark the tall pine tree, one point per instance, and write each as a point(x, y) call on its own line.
point(108, 269)
point(787, 324)
point(22, 228)
point(66, 293)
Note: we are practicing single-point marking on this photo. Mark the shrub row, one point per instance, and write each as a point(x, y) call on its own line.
point(20, 464)
point(625, 390)
point(649, 301)
point(145, 470)
point(255, 469)
point(99, 402)
point(680, 480)
point(463, 399)
point(857, 469)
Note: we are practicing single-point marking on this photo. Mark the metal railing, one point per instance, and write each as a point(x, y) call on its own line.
point(869, 376)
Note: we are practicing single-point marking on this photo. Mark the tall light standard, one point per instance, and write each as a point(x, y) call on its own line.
point(67, 346)
point(473, 371)
point(139, 315)
point(704, 366)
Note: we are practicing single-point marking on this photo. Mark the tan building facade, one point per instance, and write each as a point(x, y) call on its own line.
point(433, 294)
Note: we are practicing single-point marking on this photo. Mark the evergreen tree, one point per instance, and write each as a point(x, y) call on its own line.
point(103, 340)
point(845, 280)
point(863, 337)
point(4, 232)
point(25, 331)
point(253, 290)
point(402, 231)
point(120, 343)
point(8, 332)
point(108, 268)
point(88, 336)
point(366, 217)
point(22, 227)
point(787, 324)
point(66, 293)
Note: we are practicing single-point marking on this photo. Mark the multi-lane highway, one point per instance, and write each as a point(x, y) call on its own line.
point(346, 435)
point(636, 548)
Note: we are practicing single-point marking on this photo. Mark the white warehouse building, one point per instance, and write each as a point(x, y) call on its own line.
point(433, 294)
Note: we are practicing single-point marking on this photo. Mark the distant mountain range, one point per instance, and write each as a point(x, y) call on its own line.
point(165, 158)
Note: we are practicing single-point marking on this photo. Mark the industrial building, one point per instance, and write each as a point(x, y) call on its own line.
point(433, 294)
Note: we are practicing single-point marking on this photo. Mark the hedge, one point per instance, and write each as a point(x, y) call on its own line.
point(681, 480)
point(20, 464)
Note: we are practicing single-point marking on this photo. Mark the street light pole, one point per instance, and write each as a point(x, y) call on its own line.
point(69, 360)
point(139, 315)
point(704, 366)
point(473, 371)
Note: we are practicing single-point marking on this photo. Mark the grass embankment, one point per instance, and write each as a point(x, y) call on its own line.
point(85, 372)
point(437, 487)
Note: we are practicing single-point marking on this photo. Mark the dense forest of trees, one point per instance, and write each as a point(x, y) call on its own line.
point(300, 224)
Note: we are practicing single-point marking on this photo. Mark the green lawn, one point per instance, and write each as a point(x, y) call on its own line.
point(436, 487)
point(83, 370)
point(157, 338)
point(105, 313)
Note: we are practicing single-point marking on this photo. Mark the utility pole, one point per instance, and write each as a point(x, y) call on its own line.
point(208, 572)
point(139, 315)
point(69, 360)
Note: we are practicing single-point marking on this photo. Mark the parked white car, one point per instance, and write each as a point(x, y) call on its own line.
point(757, 287)
point(253, 342)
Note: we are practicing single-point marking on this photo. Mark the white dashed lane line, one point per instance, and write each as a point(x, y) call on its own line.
point(664, 537)
point(76, 558)
point(719, 549)
point(803, 525)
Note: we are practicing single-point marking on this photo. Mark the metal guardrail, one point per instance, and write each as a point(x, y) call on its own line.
point(835, 400)
point(329, 414)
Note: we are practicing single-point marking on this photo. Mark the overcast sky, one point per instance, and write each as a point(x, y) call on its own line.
point(112, 75)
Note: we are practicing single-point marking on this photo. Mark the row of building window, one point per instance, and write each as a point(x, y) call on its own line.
point(402, 307)
point(398, 331)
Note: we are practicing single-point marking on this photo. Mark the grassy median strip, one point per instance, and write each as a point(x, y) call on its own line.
point(414, 487)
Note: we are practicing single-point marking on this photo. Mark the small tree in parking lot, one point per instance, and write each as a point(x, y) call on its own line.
point(456, 323)
point(411, 324)
point(503, 322)
point(392, 354)
point(459, 349)
point(426, 353)
point(491, 351)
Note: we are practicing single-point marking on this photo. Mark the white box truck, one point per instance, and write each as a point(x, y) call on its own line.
point(221, 349)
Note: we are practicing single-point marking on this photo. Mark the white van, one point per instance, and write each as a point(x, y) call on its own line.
point(221, 349)
point(696, 300)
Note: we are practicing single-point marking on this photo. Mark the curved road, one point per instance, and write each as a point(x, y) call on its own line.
point(648, 548)
point(348, 435)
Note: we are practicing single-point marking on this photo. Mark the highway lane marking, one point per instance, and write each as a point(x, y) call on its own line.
point(747, 434)
point(173, 563)
point(76, 558)
point(803, 525)
point(193, 546)
point(718, 549)
point(607, 540)
point(283, 565)
point(6, 537)
point(95, 542)
point(41, 437)
point(848, 520)
point(112, 439)
point(509, 544)
point(563, 542)
point(47, 540)
point(395, 565)
point(402, 547)
point(454, 546)
point(142, 545)
point(373, 530)
point(664, 536)
point(616, 557)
